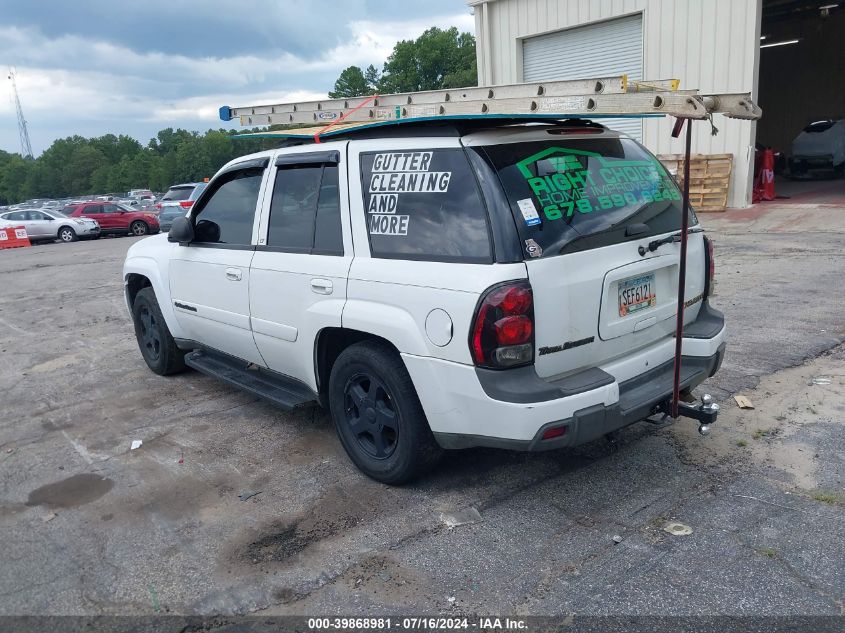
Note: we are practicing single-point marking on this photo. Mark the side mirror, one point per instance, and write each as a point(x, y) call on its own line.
point(181, 231)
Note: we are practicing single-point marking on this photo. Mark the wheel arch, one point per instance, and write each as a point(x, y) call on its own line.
point(135, 282)
point(329, 344)
point(144, 272)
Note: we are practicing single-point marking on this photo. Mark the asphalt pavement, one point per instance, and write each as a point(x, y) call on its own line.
point(231, 506)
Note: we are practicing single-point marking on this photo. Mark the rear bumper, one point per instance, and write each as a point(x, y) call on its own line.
point(512, 409)
point(808, 163)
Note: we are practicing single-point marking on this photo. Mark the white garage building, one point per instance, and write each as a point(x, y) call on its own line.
point(711, 45)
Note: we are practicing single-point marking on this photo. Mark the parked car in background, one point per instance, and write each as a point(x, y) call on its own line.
point(48, 225)
point(172, 210)
point(820, 147)
point(168, 214)
point(114, 219)
point(140, 194)
point(181, 196)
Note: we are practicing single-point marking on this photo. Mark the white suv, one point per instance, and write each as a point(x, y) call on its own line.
point(436, 287)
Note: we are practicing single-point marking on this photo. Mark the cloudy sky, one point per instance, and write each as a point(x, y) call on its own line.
point(92, 67)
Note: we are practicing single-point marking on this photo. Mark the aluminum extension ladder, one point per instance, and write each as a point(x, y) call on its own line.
point(601, 97)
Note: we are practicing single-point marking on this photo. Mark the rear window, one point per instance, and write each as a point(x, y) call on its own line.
point(576, 194)
point(178, 193)
point(424, 205)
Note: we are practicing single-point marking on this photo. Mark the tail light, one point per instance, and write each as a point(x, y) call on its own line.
point(710, 262)
point(502, 333)
point(186, 204)
point(158, 206)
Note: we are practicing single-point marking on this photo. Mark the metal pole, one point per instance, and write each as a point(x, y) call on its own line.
point(682, 277)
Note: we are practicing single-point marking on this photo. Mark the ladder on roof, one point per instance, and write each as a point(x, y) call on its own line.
point(584, 98)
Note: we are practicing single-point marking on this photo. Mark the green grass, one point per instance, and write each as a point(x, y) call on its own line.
point(826, 497)
point(759, 434)
point(768, 552)
point(742, 443)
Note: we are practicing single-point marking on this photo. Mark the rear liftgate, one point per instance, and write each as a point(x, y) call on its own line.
point(555, 100)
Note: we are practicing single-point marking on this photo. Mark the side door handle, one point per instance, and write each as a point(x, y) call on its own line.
point(322, 286)
point(233, 274)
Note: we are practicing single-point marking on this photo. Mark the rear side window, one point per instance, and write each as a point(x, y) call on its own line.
point(575, 194)
point(228, 215)
point(424, 205)
point(305, 210)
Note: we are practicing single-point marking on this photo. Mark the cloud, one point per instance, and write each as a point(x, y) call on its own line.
point(75, 82)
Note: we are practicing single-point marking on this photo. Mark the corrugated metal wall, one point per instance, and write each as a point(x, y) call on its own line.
point(579, 53)
point(711, 45)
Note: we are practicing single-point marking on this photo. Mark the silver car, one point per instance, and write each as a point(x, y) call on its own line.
point(49, 225)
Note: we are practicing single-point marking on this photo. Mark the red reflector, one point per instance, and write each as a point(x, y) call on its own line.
point(186, 203)
point(513, 330)
point(556, 431)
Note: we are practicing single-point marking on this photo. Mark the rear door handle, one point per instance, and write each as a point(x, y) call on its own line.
point(233, 274)
point(322, 286)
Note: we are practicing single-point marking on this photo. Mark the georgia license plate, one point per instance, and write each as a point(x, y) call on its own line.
point(637, 293)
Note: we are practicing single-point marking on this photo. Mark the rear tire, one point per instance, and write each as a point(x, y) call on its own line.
point(67, 234)
point(154, 340)
point(378, 415)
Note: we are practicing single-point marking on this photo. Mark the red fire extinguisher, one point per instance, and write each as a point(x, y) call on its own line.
point(764, 186)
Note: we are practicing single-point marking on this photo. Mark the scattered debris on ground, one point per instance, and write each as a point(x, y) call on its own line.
point(743, 402)
point(461, 517)
point(677, 529)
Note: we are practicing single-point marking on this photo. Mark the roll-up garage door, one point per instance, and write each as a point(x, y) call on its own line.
point(604, 49)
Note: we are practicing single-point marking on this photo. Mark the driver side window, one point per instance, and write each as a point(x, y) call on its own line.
point(228, 213)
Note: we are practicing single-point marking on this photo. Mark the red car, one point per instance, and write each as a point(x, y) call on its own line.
point(114, 218)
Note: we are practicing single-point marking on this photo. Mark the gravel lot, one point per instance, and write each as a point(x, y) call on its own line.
point(90, 527)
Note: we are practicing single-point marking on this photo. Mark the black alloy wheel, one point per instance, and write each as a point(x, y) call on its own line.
point(371, 415)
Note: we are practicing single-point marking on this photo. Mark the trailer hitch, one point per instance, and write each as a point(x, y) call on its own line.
point(706, 412)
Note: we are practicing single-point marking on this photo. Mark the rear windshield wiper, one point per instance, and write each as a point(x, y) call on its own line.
point(675, 237)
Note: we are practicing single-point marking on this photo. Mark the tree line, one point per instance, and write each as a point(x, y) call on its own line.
point(76, 166)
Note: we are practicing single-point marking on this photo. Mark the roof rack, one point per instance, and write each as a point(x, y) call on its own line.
point(582, 98)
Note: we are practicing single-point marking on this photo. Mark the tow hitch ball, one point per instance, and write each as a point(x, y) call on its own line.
point(705, 413)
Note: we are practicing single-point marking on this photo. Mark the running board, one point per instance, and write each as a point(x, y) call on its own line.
point(285, 392)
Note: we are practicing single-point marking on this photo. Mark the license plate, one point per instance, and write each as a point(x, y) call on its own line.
point(637, 293)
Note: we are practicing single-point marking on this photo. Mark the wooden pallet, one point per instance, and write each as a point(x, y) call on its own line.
point(710, 178)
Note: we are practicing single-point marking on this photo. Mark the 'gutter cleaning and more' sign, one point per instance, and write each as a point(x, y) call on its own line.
point(396, 173)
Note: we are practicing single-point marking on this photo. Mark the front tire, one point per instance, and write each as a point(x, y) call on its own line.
point(138, 228)
point(378, 415)
point(67, 234)
point(154, 340)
